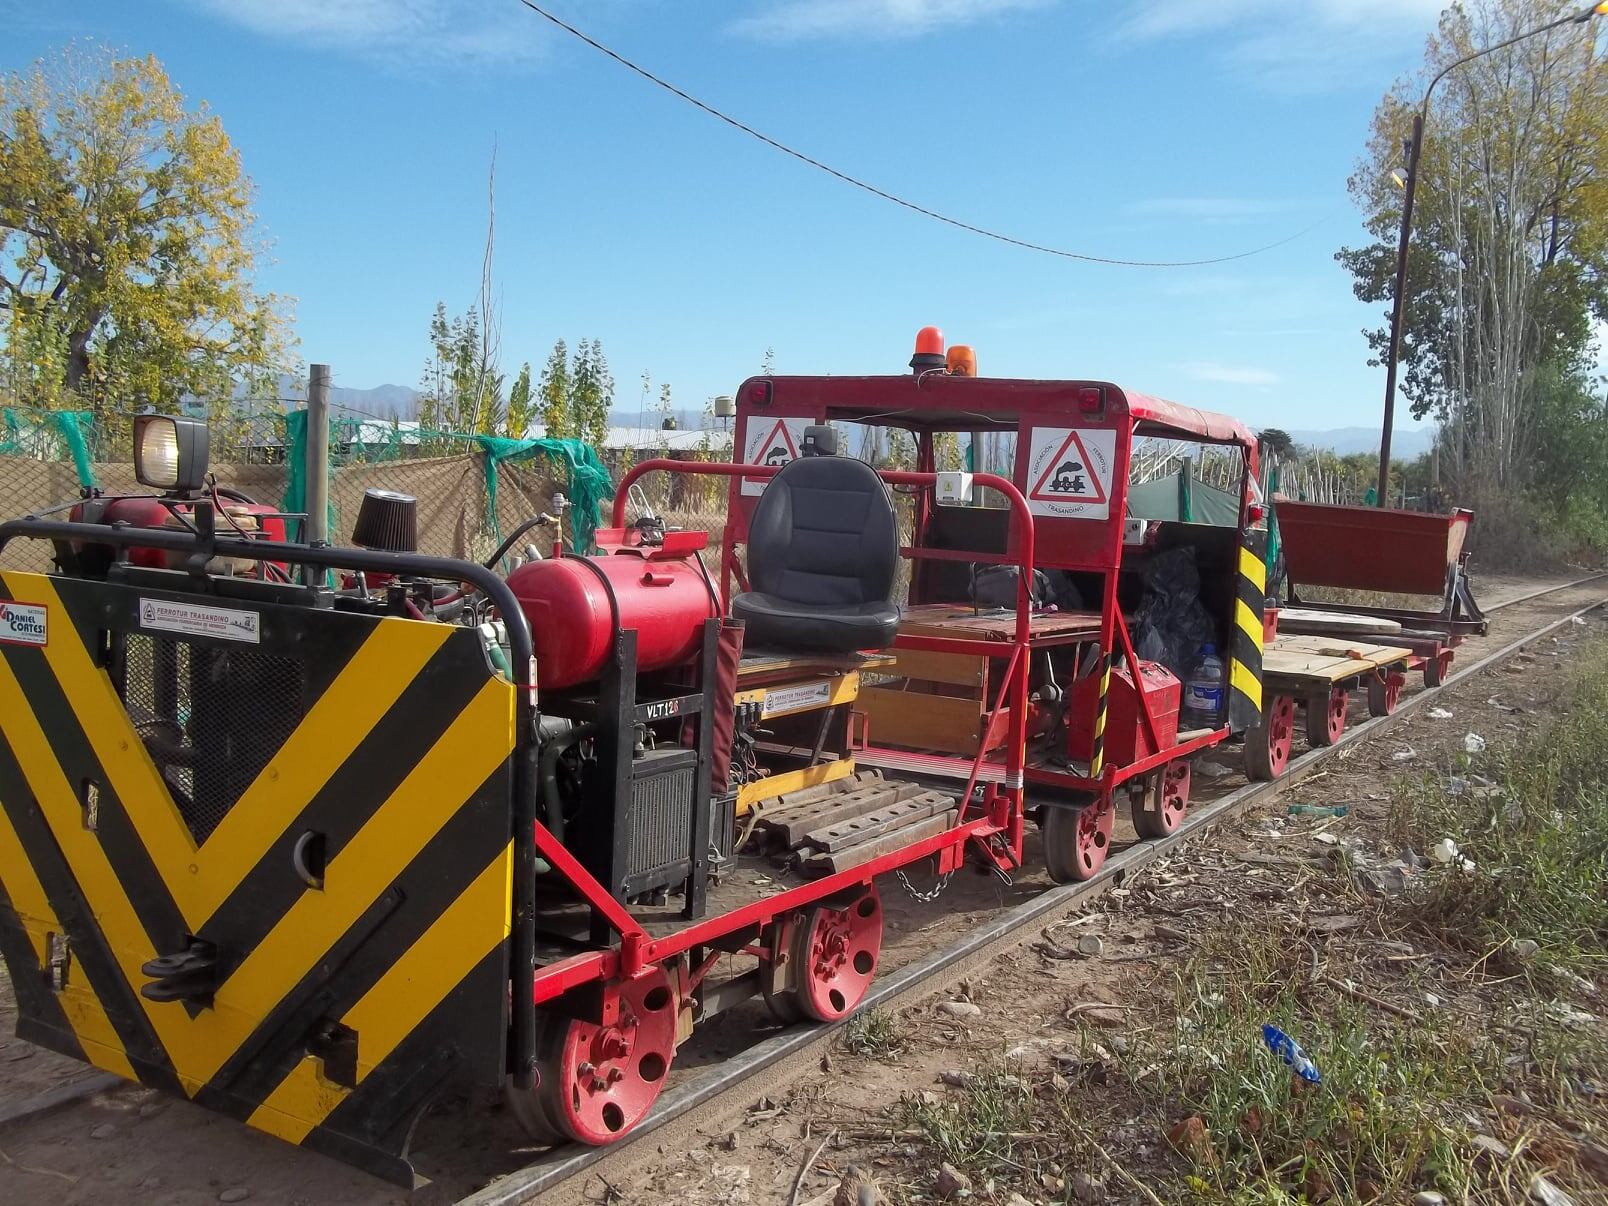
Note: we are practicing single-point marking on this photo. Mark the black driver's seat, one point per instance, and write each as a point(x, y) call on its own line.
point(823, 547)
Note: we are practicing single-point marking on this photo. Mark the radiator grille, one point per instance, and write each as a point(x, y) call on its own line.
point(661, 819)
point(212, 718)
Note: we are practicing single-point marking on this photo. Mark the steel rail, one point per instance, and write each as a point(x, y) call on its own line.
point(545, 1174)
point(563, 1163)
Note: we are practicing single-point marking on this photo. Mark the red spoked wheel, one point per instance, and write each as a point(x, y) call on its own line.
point(833, 954)
point(594, 1083)
point(836, 953)
point(1436, 667)
point(1165, 804)
point(1077, 840)
point(1384, 692)
point(1326, 716)
point(1267, 743)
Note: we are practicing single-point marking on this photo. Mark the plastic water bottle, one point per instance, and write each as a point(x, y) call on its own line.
point(1203, 690)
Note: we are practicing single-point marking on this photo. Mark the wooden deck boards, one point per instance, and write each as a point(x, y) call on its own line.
point(1325, 659)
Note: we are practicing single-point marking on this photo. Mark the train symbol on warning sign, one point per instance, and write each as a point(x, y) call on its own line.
point(1069, 479)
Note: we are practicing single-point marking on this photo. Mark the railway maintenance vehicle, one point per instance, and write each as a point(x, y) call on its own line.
point(307, 834)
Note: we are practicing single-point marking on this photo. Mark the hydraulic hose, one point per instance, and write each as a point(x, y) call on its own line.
point(548, 774)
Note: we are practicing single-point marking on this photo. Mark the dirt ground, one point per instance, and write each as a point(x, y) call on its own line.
point(1041, 998)
point(131, 1144)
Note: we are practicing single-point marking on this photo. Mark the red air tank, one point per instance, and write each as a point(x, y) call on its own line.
point(572, 624)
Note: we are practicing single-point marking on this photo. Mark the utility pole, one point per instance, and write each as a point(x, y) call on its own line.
point(316, 465)
point(1393, 360)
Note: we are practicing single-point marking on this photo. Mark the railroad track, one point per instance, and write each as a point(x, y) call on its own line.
point(773, 1061)
point(798, 1045)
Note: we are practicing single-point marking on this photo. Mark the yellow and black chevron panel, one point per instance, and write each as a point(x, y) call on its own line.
point(313, 808)
point(1245, 657)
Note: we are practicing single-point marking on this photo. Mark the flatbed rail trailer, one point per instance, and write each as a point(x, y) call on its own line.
point(1377, 553)
point(308, 834)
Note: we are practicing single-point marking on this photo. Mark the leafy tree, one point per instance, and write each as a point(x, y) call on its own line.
point(521, 405)
point(126, 240)
point(1277, 441)
point(591, 392)
point(1509, 258)
point(461, 390)
point(555, 390)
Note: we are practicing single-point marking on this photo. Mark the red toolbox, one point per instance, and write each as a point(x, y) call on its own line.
point(1125, 738)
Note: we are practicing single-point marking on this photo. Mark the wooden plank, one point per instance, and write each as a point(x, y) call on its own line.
point(788, 827)
point(1281, 665)
point(959, 669)
point(774, 786)
point(857, 856)
point(918, 721)
point(1334, 646)
point(943, 620)
point(765, 662)
point(1301, 619)
point(851, 832)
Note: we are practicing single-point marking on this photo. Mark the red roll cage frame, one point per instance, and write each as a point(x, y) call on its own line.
point(926, 404)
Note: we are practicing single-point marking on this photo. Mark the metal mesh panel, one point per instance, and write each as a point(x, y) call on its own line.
point(661, 819)
point(212, 718)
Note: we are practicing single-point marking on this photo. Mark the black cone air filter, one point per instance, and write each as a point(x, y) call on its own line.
point(387, 521)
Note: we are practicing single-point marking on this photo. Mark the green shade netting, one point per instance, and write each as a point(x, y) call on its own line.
point(587, 484)
point(295, 499)
point(19, 435)
point(1274, 540)
point(1177, 498)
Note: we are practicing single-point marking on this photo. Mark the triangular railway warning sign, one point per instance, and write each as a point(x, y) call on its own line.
point(1069, 476)
point(779, 440)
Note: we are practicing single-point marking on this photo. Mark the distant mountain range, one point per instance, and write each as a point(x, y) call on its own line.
point(1406, 443)
point(382, 401)
point(402, 402)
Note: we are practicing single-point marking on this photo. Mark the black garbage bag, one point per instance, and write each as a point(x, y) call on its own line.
point(1172, 623)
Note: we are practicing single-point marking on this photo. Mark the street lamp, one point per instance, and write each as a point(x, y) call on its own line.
point(1415, 150)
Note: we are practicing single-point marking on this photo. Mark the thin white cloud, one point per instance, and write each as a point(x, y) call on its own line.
point(410, 32)
point(1229, 374)
point(1290, 46)
point(1153, 20)
point(795, 20)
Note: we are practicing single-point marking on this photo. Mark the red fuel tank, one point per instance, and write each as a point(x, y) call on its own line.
point(239, 518)
point(572, 624)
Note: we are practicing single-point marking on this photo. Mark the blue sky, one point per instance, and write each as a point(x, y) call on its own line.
point(1128, 128)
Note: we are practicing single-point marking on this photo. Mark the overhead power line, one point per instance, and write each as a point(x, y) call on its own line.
point(883, 193)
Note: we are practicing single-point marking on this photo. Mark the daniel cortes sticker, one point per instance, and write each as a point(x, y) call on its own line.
point(194, 619)
point(24, 623)
point(1069, 472)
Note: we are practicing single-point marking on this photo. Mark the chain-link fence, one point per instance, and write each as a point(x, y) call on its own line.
point(472, 490)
